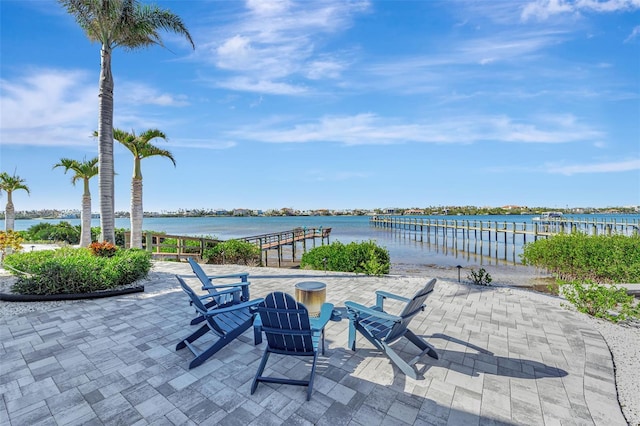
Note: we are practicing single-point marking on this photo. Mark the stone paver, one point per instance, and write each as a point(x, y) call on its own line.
point(504, 359)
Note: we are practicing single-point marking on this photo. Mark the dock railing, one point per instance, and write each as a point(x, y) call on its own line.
point(180, 247)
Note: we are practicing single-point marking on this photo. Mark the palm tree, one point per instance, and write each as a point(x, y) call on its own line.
point(84, 170)
point(9, 184)
point(141, 147)
point(115, 23)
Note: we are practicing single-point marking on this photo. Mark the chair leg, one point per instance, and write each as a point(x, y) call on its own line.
point(352, 335)
point(193, 337)
point(399, 362)
point(422, 344)
point(313, 374)
point(263, 364)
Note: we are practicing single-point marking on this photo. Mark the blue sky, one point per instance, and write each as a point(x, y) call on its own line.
point(338, 104)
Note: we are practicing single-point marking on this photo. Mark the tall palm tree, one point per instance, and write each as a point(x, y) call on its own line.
point(115, 23)
point(84, 171)
point(9, 183)
point(141, 147)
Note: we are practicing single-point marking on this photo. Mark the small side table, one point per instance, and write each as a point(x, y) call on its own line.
point(311, 294)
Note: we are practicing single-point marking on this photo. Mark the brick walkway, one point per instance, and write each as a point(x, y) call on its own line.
point(504, 359)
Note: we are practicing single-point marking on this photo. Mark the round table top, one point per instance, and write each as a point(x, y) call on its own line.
point(311, 286)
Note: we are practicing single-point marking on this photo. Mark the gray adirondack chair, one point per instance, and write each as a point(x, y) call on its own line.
point(290, 331)
point(221, 294)
point(383, 329)
point(226, 323)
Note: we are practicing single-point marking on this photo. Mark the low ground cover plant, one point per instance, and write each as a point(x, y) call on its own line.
point(480, 277)
point(587, 269)
point(364, 257)
point(234, 252)
point(76, 270)
point(608, 302)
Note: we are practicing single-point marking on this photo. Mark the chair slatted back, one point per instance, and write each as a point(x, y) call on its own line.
point(413, 307)
point(286, 324)
point(222, 299)
point(195, 300)
point(202, 310)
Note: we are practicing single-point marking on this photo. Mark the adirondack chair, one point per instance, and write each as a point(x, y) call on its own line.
point(290, 331)
point(383, 329)
point(221, 295)
point(225, 322)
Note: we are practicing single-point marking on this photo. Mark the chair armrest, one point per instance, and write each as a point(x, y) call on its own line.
point(359, 309)
point(220, 292)
point(244, 305)
point(386, 294)
point(242, 275)
point(317, 324)
point(233, 285)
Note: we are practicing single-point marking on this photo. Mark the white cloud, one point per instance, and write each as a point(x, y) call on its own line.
point(543, 9)
point(48, 107)
point(202, 144)
point(247, 84)
point(56, 107)
point(610, 167)
point(276, 41)
point(370, 129)
point(135, 93)
point(634, 34)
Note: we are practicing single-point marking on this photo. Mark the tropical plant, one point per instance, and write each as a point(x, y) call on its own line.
point(9, 240)
point(141, 147)
point(115, 23)
point(83, 170)
point(10, 183)
point(104, 249)
point(480, 277)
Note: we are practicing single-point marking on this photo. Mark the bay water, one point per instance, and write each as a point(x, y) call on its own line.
point(409, 250)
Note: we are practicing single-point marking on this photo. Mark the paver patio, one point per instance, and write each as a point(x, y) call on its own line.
point(505, 358)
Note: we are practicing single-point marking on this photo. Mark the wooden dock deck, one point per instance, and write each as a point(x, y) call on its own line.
point(180, 247)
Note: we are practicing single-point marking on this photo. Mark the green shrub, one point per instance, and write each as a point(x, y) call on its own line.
point(607, 302)
point(71, 270)
point(233, 251)
point(61, 232)
point(580, 257)
point(363, 257)
point(482, 277)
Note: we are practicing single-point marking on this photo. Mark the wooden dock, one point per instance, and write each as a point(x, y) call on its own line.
point(499, 240)
point(280, 240)
point(502, 229)
point(180, 247)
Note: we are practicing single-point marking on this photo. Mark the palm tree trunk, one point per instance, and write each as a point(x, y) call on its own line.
point(105, 147)
point(85, 220)
point(9, 214)
point(136, 213)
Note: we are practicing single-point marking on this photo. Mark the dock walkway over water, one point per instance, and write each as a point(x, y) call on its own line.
point(493, 240)
point(503, 229)
point(179, 247)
